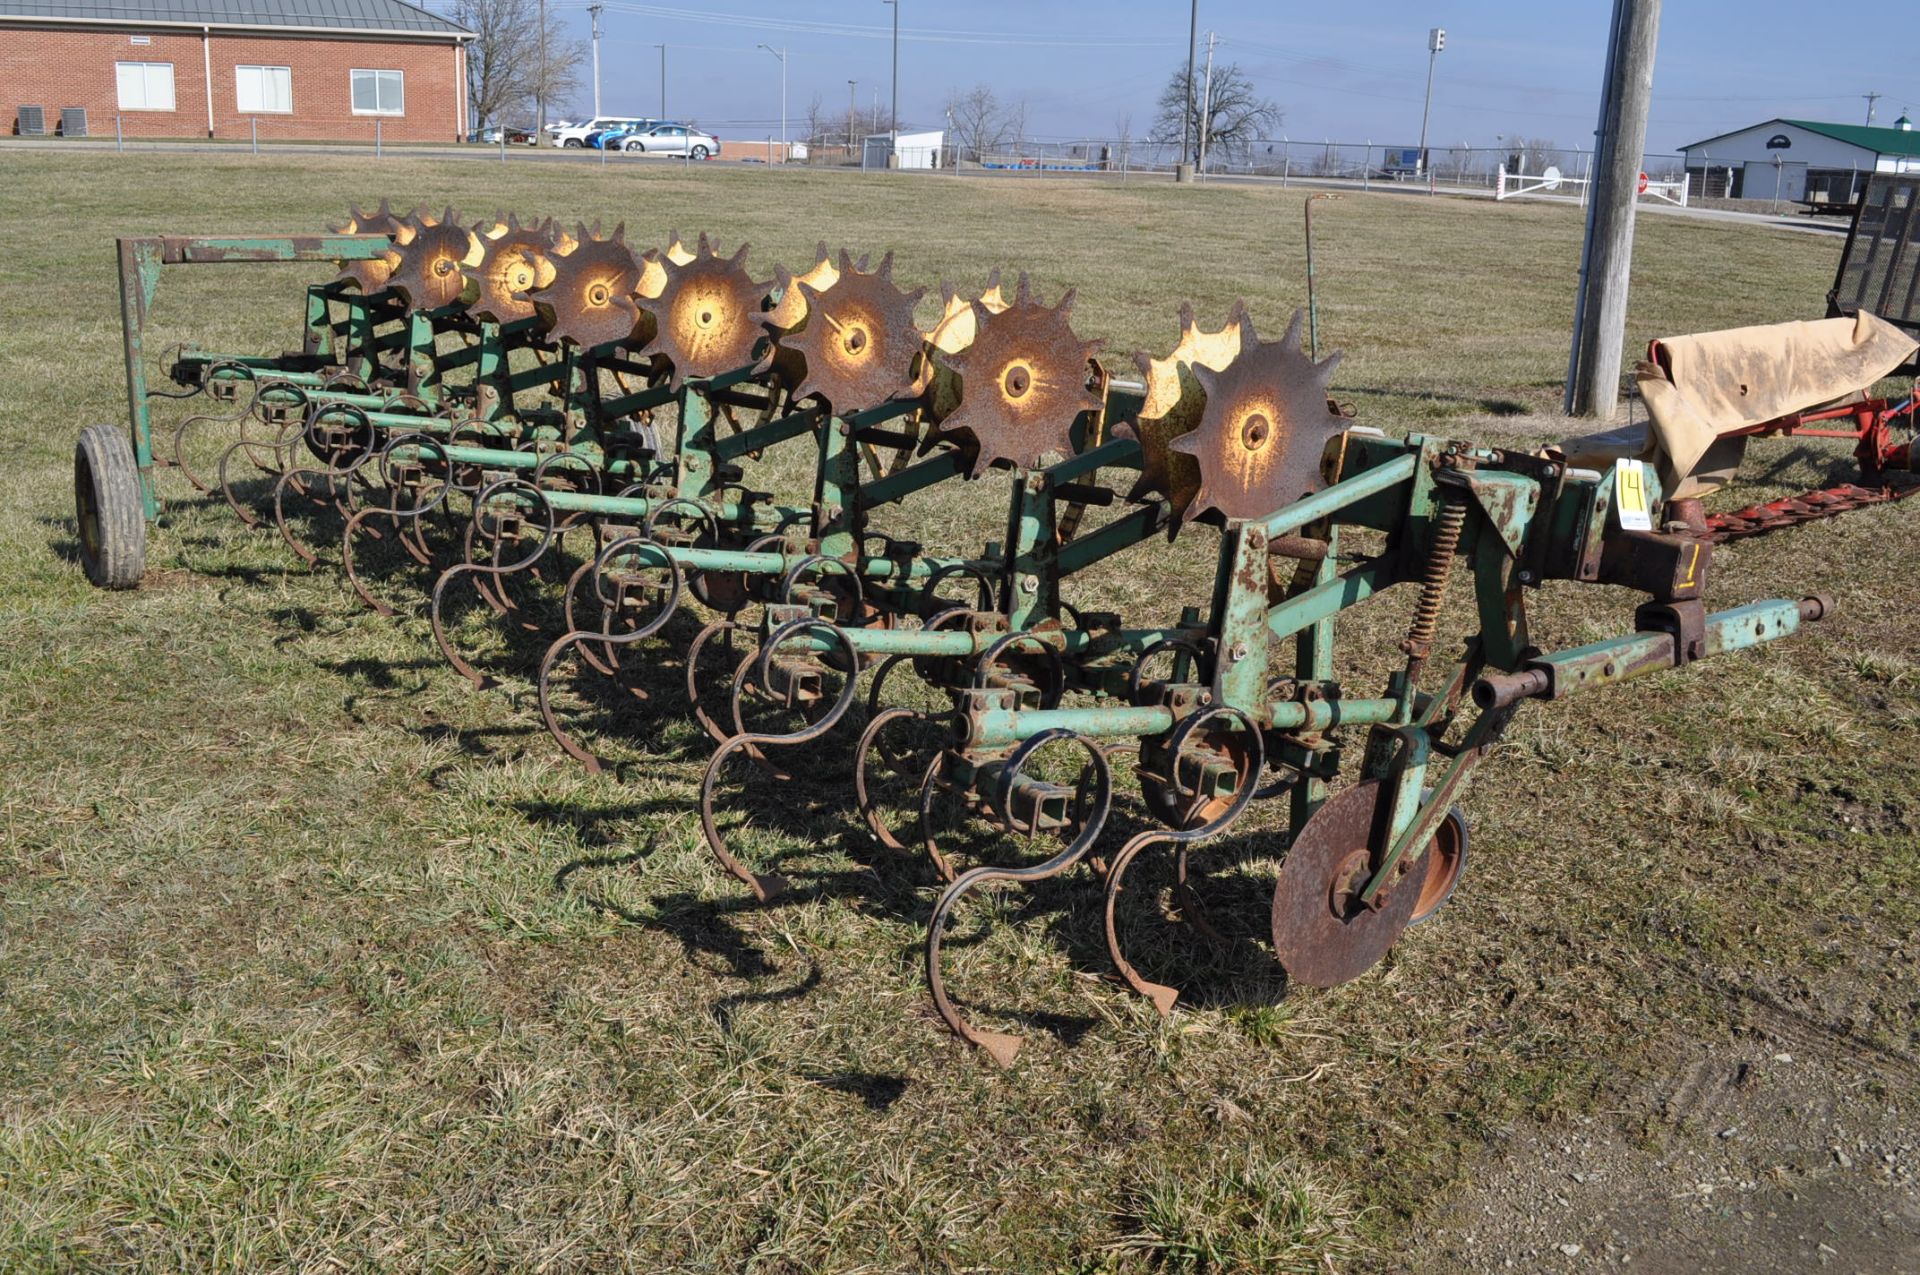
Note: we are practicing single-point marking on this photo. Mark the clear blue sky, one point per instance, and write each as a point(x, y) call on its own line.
point(1352, 72)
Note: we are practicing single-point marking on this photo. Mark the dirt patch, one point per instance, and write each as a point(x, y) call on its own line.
point(1785, 1143)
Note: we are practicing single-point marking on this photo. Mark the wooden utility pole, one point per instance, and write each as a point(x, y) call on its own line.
point(1600, 312)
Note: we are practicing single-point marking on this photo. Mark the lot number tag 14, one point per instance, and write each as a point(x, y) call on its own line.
point(1630, 495)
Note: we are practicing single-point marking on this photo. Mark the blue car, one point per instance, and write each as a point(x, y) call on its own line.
point(608, 139)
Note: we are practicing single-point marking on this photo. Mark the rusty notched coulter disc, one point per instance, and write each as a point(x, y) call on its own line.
point(1023, 381)
point(1174, 402)
point(859, 341)
point(1265, 426)
point(514, 260)
point(434, 257)
point(589, 301)
point(791, 310)
point(707, 314)
point(371, 274)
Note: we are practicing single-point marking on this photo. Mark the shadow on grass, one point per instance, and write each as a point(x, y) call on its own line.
point(877, 1091)
point(1466, 403)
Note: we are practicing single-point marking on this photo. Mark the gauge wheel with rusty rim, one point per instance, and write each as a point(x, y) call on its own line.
point(1445, 860)
point(1322, 934)
point(107, 503)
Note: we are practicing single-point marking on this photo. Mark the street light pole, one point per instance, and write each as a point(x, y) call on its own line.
point(1206, 110)
point(540, 96)
point(663, 79)
point(851, 84)
point(1186, 109)
point(893, 113)
point(1436, 41)
point(595, 10)
point(782, 55)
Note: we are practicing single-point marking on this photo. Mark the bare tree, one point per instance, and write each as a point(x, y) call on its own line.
point(979, 125)
point(817, 117)
point(1535, 154)
point(1235, 114)
point(1017, 124)
point(505, 73)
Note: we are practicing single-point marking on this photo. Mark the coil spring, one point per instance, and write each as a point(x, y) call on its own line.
point(1449, 522)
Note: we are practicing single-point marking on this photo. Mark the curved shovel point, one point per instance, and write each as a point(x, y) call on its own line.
point(111, 515)
point(768, 885)
point(998, 1046)
point(1160, 995)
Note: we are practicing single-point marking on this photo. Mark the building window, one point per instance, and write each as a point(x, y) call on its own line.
point(263, 90)
point(145, 86)
point(379, 93)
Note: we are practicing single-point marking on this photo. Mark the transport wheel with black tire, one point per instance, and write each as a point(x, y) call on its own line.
point(107, 503)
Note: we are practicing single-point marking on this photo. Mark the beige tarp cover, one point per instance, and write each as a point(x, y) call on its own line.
point(1708, 384)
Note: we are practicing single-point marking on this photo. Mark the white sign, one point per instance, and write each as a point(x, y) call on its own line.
point(1630, 497)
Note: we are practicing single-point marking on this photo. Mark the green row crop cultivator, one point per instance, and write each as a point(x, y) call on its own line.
point(478, 393)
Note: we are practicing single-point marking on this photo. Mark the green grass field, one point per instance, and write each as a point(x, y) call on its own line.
point(312, 958)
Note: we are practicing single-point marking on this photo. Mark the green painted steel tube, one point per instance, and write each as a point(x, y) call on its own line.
point(792, 425)
point(1323, 601)
point(1121, 452)
point(1758, 623)
point(1128, 529)
point(692, 558)
point(897, 486)
point(999, 728)
point(1632, 655)
point(1332, 500)
point(955, 642)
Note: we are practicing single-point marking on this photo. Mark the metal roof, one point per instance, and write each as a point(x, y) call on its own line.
point(1881, 141)
point(307, 15)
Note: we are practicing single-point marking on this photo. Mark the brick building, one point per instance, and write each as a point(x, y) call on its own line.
point(308, 69)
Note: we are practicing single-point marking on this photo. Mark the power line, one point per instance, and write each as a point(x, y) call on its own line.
point(923, 35)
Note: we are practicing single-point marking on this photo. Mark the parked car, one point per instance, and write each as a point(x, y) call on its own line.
point(575, 135)
point(491, 136)
point(671, 139)
point(610, 138)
